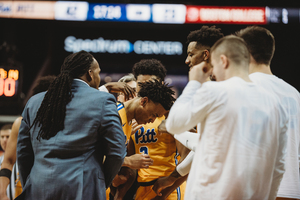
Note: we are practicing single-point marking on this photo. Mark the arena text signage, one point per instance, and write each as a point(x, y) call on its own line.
point(101, 45)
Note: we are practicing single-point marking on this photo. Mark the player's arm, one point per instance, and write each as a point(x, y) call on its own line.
point(192, 105)
point(125, 177)
point(188, 138)
point(118, 180)
point(167, 191)
point(115, 87)
point(25, 155)
point(9, 156)
point(166, 185)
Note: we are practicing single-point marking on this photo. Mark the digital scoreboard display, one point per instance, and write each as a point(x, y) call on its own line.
point(10, 89)
point(9, 82)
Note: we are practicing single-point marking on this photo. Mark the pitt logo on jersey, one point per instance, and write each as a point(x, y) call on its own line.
point(142, 137)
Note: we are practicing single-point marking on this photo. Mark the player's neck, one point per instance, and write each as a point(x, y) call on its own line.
point(129, 109)
point(237, 72)
point(262, 68)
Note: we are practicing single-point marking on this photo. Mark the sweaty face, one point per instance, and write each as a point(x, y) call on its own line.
point(142, 78)
point(218, 70)
point(194, 54)
point(95, 74)
point(148, 111)
point(4, 137)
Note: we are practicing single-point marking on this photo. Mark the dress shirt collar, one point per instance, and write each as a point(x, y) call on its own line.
point(77, 79)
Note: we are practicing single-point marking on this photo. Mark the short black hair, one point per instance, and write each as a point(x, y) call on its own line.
point(158, 92)
point(260, 42)
point(205, 36)
point(150, 67)
point(43, 84)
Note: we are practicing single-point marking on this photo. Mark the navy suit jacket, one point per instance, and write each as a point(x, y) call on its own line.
point(69, 166)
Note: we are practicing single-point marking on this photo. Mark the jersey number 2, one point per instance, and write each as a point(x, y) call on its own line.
point(144, 150)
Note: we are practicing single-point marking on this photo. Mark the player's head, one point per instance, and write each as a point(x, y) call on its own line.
point(131, 81)
point(51, 114)
point(155, 99)
point(199, 44)
point(229, 53)
point(260, 42)
point(43, 84)
point(4, 135)
point(147, 69)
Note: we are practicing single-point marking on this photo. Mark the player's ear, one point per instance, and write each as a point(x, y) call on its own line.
point(89, 75)
point(205, 55)
point(225, 61)
point(144, 101)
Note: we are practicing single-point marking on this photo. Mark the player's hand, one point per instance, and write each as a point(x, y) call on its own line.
point(200, 72)
point(161, 184)
point(135, 126)
point(119, 180)
point(138, 161)
point(162, 128)
point(123, 87)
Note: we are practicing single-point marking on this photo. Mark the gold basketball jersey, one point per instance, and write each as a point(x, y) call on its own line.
point(161, 148)
point(125, 124)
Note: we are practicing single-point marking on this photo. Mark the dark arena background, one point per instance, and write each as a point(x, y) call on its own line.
point(36, 36)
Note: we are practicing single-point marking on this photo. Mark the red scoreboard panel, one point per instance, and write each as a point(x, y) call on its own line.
point(225, 15)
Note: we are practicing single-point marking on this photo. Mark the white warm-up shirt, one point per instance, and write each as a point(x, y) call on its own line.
point(240, 154)
point(290, 98)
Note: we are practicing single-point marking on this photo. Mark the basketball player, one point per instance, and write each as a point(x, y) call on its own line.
point(261, 44)
point(161, 148)
point(199, 44)
point(153, 100)
point(243, 128)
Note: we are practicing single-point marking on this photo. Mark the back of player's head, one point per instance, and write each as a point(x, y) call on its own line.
point(158, 92)
point(205, 36)
point(149, 67)
point(127, 78)
point(260, 42)
point(43, 84)
point(234, 48)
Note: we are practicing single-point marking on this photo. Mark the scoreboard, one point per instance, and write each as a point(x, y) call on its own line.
point(10, 89)
point(9, 82)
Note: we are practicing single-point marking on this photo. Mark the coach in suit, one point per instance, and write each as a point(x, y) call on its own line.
point(65, 134)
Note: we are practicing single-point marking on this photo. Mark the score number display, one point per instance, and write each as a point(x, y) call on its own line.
point(8, 82)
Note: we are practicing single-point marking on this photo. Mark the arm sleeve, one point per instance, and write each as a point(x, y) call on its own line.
point(25, 156)
point(113, 140)
point(189, 109)
point(188, 139)
point(103, 89)
point(279, 168)
point(184, 167)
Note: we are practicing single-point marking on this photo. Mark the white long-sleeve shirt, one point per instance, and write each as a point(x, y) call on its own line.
point(290, 98)
point(243, 139)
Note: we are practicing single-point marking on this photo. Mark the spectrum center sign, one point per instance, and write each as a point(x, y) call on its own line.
point(101, 45)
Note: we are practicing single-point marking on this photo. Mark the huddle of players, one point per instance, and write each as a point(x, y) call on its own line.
point(151, 169)
point(161, 178)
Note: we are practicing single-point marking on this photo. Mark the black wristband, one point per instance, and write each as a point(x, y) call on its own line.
point(5, 172)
